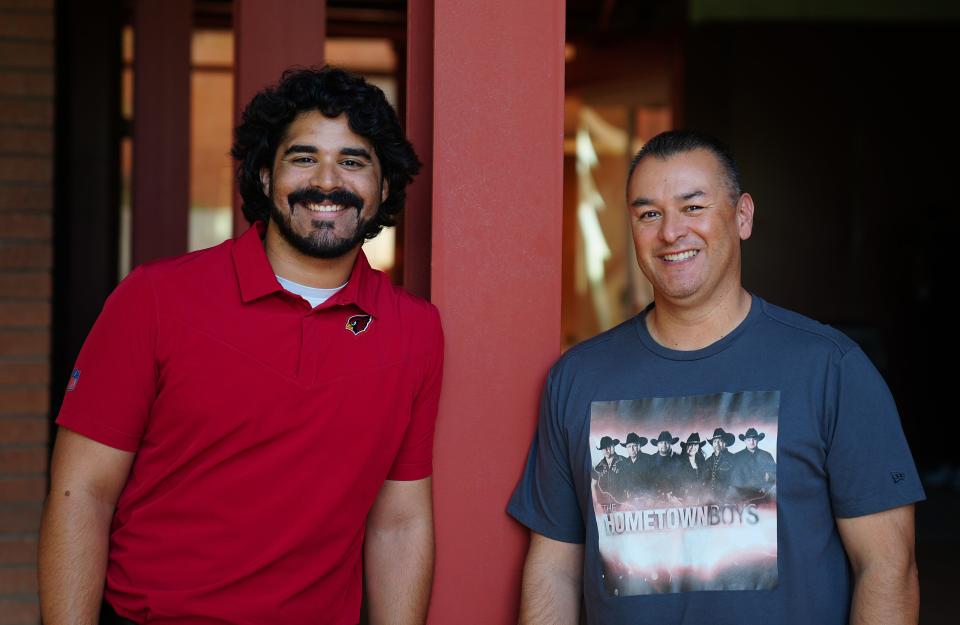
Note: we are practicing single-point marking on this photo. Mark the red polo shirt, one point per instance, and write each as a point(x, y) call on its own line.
point(263, 431)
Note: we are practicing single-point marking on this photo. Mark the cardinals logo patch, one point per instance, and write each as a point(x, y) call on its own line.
point(358, 323)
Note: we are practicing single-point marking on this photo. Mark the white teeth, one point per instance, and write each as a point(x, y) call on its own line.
point(324, 208)
point(680, 256)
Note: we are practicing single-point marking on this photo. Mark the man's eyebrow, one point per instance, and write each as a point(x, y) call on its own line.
point(299, 148)
point(689, 196)
point(356, 152)
point(684, 197)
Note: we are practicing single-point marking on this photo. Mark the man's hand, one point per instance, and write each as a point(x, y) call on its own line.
point(398, 553)
point(552, 582)
point(881, 551)
point(85, 481)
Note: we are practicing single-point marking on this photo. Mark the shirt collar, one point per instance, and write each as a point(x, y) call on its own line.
point(257, 279)
point(361, 288)
point(254, 274)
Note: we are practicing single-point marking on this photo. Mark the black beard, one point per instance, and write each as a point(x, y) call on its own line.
point(317, 244)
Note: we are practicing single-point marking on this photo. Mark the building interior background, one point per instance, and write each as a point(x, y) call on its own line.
point(838, 112)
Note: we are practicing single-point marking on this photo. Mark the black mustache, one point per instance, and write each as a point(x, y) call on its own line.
point(316, 196)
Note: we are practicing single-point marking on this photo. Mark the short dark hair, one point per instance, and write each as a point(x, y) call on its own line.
point(333, 92)
point(673, 142)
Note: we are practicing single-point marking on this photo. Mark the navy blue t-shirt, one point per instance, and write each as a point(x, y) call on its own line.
point(728, 521)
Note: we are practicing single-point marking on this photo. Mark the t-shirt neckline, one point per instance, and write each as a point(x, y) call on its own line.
point(696, 354)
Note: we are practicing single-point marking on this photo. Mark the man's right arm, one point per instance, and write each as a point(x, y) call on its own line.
point(552, 582)
point(86, 478)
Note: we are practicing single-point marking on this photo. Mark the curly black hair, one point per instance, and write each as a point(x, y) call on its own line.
point(331, 91)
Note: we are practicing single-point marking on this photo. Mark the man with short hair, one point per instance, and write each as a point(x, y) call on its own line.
point(199, 474)
point(835, 545)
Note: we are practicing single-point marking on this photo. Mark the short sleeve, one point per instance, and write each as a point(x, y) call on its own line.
point(114, 381)
point(414, 461)
point(869, 465)
point(545, 500)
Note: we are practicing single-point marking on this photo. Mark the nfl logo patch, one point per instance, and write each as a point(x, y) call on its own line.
point(358, 323)
point(74, 378)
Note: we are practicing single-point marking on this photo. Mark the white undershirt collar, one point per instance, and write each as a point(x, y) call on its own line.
point(312, 294)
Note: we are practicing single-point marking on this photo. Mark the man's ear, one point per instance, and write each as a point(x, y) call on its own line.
point(265, 180)
point(745, 216)
point(384, 189)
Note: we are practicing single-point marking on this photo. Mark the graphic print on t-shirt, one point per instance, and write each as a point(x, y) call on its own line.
point(684, 492)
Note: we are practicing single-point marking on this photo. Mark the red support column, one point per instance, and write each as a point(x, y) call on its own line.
point(417, 221)
point(269, 37)
point(161, 128)
point(496, 267)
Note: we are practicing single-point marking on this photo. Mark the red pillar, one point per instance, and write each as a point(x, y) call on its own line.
point(495, 275)
point(417, 221)
point(161, 128)
point(269, 37)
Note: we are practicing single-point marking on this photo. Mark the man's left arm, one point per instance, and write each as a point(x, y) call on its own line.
point(880, 547)
point(398, 553)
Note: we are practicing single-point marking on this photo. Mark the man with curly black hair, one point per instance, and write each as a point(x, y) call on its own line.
point(252, 431)
point(377, 158)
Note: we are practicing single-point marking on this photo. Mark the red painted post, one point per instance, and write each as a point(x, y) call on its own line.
point(161, 129)
point(419, 127)
point(496, 277)
point(269, 37)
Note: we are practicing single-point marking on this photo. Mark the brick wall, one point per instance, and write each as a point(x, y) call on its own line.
point(26, 229)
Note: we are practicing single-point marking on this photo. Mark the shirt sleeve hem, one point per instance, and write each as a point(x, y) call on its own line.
point(104, 435)
point(872, 506)
point(562, 534)
point(411, 472)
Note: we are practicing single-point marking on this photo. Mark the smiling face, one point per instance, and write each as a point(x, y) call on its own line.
point(325, 186)
point(686, 227)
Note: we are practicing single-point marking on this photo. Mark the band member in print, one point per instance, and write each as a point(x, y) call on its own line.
point(756, 472)
point(664, 473)
point(635, 472)
point(718, 477)
point(608, 471)
point(692, 469)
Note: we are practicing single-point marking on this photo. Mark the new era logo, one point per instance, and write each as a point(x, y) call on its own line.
point(74, 378)
point(897, 477)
